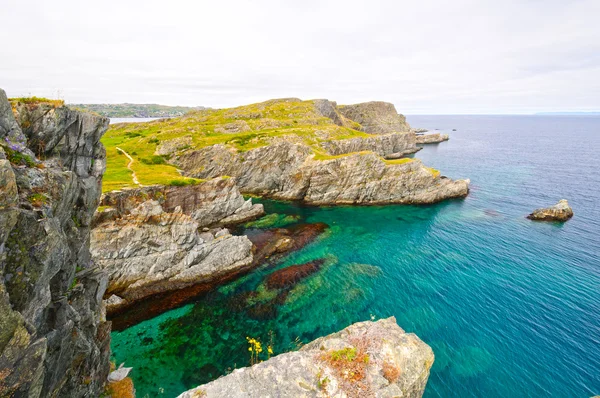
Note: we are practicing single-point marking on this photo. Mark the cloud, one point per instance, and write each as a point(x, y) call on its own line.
point(466, 56)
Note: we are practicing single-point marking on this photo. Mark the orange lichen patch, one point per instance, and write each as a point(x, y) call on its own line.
point(121, 389)
point(391, 372)
point(349, 366)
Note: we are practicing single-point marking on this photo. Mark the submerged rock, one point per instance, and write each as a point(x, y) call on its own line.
point(384, 361)
point(288, 276)
point(559, 212)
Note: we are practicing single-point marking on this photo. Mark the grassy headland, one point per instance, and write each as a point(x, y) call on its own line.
point(243, 128)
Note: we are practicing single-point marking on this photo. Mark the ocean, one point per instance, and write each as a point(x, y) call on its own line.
point(511, 307)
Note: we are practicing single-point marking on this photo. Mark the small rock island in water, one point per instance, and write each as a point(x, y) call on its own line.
point(559, 212)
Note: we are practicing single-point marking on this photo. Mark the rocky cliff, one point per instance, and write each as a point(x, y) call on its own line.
point(54, 340)
point(367, 359)
point(290, 171)
point(314, 151)
point(376, 117)
point(156, 239)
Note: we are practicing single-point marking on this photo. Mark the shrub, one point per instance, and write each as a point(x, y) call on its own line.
point(184, 182)
point(155, 159)
point(18, 158)
point(37, 199)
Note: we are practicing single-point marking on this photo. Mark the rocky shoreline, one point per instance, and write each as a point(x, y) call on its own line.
point(159, 246)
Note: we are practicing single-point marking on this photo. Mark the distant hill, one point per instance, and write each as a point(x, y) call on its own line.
point(594, 113)
point(136, 110)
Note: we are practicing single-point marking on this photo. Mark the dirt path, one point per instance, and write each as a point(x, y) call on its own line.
point(133, 176)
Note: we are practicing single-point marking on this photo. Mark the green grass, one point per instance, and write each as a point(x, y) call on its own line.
point(399, 161)
point(258, 125)
point(38, 100)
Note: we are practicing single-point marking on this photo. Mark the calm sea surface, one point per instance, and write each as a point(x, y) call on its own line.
point(510, 307)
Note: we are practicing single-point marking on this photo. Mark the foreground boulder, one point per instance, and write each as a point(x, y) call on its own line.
point(559, 212)
point(54, 339)
point(367, 359)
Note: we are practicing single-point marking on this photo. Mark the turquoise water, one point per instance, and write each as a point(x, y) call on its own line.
point(510, 307)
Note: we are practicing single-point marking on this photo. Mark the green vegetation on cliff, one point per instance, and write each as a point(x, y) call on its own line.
point(243, 128)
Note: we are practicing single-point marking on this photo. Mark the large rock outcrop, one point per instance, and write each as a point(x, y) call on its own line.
point(559, 212)
point(376, 117)
point(54, 341)
point(432, 138)
point(289, 171)
point(149, 240)
point(367, 359)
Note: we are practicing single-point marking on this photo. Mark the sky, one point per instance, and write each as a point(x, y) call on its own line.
point(426, 57)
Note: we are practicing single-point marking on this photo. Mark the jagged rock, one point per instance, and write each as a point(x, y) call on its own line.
point(559, 212)
point(150, 251)
point(169, 147)
point(217, 201)
point(238, 126)
point(432, 138)
point(376, 117)
point(288, 171)
point(54, 340)
point(9, 193)
point(382, 145)
point(398, 365)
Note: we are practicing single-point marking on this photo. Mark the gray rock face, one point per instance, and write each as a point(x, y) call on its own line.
point(217, 201)
point(385, 361)
point(289, 171)
point(376, 117)
point(54, 340)
point(432, 138)
point(393, 145)
point(150, 242)
point(559, 212)
point(150, 252)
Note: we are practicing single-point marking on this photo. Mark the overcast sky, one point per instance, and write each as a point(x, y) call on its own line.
point(460, 56)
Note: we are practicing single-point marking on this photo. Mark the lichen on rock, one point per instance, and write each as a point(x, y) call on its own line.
point(54, 340)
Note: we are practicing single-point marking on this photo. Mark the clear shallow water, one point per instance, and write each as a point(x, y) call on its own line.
point(509, 306)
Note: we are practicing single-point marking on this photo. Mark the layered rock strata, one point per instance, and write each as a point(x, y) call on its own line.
point(559, 212)
point(390, 146)
point(289, 171)
point(153, 240)
point(367, 359)
point(54, 341)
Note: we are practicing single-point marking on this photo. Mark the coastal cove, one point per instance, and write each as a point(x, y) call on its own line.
point(509, 306)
